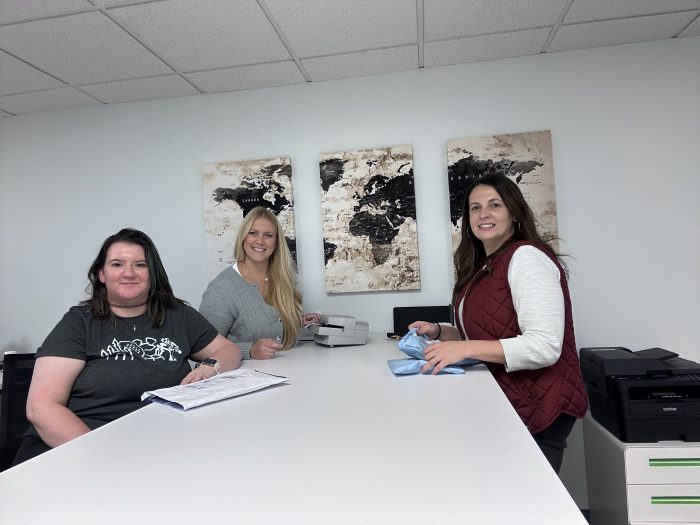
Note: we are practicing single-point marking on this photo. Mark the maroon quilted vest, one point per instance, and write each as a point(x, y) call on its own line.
point(539, 396)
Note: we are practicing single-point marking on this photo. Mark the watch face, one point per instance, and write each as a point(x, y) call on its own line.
point(209, 361)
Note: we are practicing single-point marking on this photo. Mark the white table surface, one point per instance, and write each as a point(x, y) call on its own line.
point(345, 442)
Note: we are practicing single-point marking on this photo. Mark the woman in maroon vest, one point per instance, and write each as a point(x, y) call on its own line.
point(513, 311)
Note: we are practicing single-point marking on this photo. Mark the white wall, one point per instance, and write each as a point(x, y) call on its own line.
point(625, 125)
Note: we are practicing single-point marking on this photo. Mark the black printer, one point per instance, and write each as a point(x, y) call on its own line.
point(645, 396)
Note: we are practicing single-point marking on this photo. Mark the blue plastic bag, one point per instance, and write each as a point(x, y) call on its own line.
point(404, 367)
point(414, 345)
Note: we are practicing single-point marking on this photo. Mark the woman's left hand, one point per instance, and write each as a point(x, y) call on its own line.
point(199, 373)
point(439, 355)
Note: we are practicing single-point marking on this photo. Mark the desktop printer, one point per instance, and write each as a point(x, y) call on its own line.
point(645, 396)
point(338, 330)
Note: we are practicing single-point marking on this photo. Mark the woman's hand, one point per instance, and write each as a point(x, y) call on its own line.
point(264, 348)
point(430, 330)
point(312, 318)
point(199, 373)
point(440, 355)
point(226, 353)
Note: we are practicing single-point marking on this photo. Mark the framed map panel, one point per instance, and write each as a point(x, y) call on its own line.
point(526, 158)
point(368, 207)
point(231, 190)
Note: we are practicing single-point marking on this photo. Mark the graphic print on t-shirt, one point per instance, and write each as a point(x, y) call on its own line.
point(149, 349)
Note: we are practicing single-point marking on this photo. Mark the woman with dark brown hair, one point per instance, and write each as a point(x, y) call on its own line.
point(131, 335)
point(513, 311)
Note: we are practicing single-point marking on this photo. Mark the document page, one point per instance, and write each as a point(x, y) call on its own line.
point(221, 386)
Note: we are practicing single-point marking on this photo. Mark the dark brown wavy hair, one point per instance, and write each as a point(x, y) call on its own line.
point(471, 255)
point(160, 295)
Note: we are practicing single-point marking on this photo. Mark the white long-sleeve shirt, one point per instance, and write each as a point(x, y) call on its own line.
point(539, 305)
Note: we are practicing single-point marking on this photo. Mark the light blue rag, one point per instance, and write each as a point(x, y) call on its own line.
point(414, 345)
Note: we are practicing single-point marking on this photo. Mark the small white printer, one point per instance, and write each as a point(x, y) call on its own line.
point(339, 330)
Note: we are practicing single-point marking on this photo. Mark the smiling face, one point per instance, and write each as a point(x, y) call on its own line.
point(261, 240)
point(490, 220)
point(125, 274)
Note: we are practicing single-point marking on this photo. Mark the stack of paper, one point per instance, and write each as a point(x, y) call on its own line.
point(221, 386)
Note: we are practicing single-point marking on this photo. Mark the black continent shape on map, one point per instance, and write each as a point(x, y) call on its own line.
point(252, 193)
point(331, 172)
point(277, 169)
point(472, 167)
point(328, 250)
point(381, 228)
point(292, 245)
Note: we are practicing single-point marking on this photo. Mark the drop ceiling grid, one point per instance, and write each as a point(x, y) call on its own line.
point(197, 35)
point(18, 10)
point(478, 48)
point(619, 31)
point(322, 27)
point(65, 98)
point(247, 77)
point(19, 77)
point(81, 49)
point(445, 19)
point(364, 63)
point(126, 50)
point(139, 89)
point(694, 28)
point(592, 10)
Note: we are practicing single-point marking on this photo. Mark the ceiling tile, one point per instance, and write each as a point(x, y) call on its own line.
point(141, 89)
point(81, 49)
point(46, 101)
point(445, 19)
point(589, 10)
point(485, 47)
point(693, 29)
point(325, 27)
point(615, 32)
point(364, 63)
point(112, 3)
point(248, 77)
point(18, 77)
point(193, 35)
point(17, 10)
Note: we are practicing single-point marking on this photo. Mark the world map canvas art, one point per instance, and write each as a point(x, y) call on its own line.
point(525, 158)
point(368, 207)
point(231, 190)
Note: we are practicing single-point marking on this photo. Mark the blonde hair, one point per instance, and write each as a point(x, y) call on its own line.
point(281, 291)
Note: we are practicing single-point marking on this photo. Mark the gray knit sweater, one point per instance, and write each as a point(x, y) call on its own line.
point(238, 311)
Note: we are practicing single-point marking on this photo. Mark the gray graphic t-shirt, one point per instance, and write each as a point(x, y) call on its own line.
point(124, 357)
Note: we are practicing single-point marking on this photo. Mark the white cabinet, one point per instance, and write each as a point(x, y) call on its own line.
point(640, 483)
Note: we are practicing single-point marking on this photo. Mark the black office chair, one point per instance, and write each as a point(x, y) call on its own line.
point(405, 315)
point(16, 377)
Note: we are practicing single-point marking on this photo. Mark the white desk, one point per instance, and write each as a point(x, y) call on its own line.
point(345, 442)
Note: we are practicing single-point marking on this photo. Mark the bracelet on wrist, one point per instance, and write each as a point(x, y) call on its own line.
point(439, 331)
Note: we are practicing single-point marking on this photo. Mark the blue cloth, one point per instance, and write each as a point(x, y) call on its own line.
point(414, 345)
point(405, 367)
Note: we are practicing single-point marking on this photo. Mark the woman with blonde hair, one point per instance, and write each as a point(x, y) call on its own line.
point(255, 302)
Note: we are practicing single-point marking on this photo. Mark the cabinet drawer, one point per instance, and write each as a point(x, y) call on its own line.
point(664, 503)
point(658, 465)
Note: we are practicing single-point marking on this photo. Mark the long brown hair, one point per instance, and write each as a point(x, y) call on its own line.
point(281, 291)
point(471, 255)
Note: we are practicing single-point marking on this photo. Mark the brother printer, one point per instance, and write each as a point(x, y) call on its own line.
point(645, 396)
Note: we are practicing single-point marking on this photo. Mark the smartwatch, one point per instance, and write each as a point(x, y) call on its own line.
point(211, 362)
